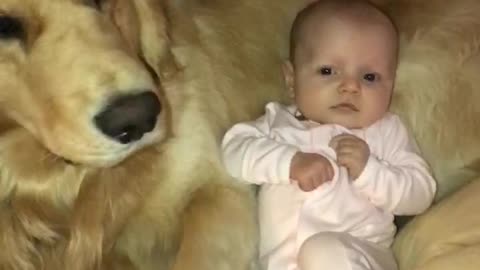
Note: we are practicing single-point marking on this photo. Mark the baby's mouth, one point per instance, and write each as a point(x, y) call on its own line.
point(345, 107)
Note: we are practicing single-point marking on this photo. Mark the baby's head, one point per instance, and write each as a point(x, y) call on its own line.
point(343, 58)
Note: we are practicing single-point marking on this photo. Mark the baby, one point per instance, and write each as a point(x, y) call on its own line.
point(335, 167)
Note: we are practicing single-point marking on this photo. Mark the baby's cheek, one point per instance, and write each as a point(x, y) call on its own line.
point(375, 109)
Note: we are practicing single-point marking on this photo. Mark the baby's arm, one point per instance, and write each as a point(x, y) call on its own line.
point(399, 181)
point(250, 155)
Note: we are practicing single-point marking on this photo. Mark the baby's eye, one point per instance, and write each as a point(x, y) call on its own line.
point(371, 77)
point(325, 71)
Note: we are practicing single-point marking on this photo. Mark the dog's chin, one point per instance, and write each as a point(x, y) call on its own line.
point(97, 162)
point(111, 158)
point(106, 160)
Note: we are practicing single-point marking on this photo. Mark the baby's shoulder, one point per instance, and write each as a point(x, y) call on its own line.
point(388, 122)
point(276, 110)
point(275, 107)
point(386, 129)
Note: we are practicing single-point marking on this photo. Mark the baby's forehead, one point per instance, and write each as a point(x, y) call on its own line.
point(331, 17)
point(346, 20)
point(353, 34)
point(342, 15)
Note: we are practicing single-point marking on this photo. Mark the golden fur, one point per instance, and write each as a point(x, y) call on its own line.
point(437, 84)
point(166, 202)
point(436, 94)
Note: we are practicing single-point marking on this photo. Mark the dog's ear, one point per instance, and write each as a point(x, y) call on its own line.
point(144, 26)
point(125, 17)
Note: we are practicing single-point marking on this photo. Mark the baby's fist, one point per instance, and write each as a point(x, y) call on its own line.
point(352, 153)
point(310, 170)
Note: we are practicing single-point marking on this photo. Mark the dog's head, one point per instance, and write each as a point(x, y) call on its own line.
point(71, 74)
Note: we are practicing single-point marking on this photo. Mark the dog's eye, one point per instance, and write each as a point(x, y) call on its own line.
point(97, 4)
point(11, 28)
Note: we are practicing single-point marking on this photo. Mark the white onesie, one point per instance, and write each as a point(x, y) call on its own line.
point(395, 181)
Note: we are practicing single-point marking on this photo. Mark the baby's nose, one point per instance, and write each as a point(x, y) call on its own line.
point(349, 84)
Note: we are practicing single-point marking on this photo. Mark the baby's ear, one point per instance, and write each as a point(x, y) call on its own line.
point(288, 74)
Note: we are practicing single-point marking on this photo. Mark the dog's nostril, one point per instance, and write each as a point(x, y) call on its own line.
point(127, 118)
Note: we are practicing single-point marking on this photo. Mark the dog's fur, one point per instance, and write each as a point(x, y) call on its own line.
point(165, 202)
point(436, 94)
point(437, 84)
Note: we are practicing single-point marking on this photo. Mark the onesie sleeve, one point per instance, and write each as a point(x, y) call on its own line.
point(249, 154)
point(399, 179)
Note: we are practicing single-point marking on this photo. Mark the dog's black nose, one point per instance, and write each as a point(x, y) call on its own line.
point(127, 118)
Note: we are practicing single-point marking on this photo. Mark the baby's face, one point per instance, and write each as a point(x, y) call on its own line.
point(344, 73)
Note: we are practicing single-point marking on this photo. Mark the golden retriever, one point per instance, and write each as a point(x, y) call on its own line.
point(111, 112)
point(111, 116)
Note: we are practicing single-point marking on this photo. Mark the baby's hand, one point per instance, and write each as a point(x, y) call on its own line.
point(310, 170)
point(352, 152)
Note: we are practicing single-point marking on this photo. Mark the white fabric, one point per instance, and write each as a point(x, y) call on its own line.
point(396, 180)
point(341, 251)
